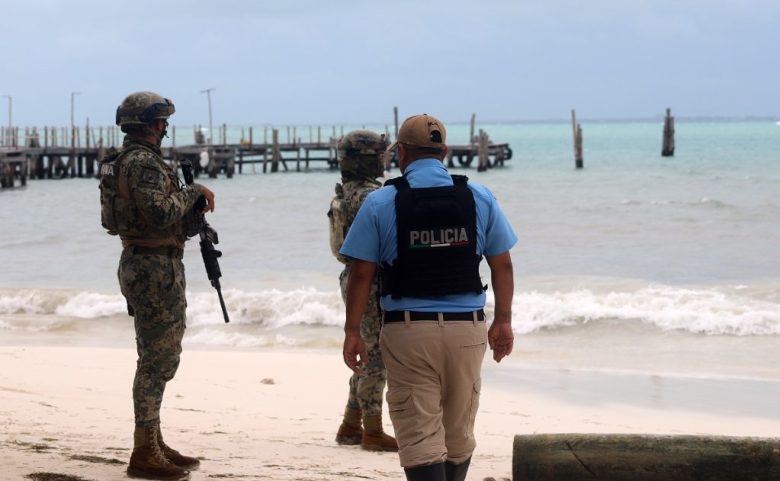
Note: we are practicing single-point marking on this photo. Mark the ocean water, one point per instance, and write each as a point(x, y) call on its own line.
point(637, 262)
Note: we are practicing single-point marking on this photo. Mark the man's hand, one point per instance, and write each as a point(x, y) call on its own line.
point(209, 195)
point(355, 356)
point(500, 335)
point(501, 338)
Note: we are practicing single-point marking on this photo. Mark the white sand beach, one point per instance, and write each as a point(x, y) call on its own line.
point(272, 415)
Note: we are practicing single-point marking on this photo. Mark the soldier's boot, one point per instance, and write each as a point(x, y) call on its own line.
point(429, 472)
point(148, 461)
point(350, 432)
point(374, 438)
point(180, 460)
point(457, 472)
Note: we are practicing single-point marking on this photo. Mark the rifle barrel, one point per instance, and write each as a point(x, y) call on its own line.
point(222, 303)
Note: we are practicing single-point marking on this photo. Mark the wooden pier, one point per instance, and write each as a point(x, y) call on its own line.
point(51, 152)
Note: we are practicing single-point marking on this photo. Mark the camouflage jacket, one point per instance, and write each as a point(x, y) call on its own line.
point(155, 201)
point(343, 208)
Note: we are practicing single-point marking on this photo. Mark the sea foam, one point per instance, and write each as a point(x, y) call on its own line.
point(709, 311)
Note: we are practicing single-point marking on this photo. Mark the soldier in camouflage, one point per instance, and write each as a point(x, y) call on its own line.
point(360, 160)
point(143, 202)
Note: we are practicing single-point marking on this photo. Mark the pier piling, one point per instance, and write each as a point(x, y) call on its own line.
point(577, 132)
point(667, 149)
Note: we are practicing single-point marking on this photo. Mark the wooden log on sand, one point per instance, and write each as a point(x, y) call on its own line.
point(636, 457)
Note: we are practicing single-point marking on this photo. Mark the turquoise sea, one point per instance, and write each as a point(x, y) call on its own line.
point(636, 247)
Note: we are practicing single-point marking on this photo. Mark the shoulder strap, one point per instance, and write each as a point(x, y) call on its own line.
point(459, 179)
point(399, 182)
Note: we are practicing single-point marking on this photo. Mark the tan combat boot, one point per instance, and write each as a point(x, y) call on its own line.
point(180, 460)
point(350, 432)
point(148, 461)
point(374, 438)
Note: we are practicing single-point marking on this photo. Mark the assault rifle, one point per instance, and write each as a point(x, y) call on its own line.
point(208, 237)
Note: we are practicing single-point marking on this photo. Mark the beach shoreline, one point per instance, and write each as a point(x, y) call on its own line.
point(272, 414)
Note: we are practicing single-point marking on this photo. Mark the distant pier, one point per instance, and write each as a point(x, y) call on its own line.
point(51, 152)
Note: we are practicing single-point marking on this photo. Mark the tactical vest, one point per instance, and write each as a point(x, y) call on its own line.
point(437, 242)
point(338, 225)
point(119, 214)
point(343, 208)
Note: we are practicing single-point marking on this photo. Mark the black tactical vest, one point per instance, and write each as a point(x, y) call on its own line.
point(437, 242)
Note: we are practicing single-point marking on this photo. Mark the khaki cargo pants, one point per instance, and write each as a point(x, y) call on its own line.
point(433, 385)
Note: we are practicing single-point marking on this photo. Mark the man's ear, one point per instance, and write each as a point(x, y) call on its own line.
point(402, 157)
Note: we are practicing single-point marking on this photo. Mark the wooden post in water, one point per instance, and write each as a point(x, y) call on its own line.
point(395, 122)
point(482, 152)
point(89, 161)
point(636, 457)
point(667, 149)
point(265, 147)
point(275, 155)
point(577, 132)
point(471, 132)
point(319, 137)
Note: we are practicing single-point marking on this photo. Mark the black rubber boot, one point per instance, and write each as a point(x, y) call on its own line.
point(429, 472)
point(457, 472)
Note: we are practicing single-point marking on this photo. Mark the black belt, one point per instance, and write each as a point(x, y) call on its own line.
point(169, 251)
point(398, 316)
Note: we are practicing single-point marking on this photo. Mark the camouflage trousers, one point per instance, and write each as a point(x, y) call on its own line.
point(154, 286)
point(365, 390)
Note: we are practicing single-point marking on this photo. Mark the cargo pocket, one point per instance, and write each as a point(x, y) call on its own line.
point(401, 407)
point(399, 399)
point(474, 405)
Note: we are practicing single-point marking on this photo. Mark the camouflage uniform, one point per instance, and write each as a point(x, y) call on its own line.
point(361, 162)
point(365, 390)
point(154, 284)
point(143, 202)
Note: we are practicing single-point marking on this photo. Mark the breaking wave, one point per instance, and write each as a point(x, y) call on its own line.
point(276, 317)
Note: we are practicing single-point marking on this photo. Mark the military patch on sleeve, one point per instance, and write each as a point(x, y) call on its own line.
point(150, 177)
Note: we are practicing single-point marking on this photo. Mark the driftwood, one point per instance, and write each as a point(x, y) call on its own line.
point(633, 457)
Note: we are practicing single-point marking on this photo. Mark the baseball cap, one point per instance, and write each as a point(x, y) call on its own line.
point(421, 131)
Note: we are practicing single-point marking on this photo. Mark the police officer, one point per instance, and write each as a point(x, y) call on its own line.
point(426, 233)
point(144, 204)
point(361, 163)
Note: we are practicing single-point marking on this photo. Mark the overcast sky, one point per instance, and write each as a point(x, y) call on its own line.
point(310, 62)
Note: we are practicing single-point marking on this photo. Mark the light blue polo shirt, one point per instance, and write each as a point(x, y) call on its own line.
point(372, 235)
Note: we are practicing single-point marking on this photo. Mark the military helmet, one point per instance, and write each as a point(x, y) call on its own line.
point(142, 108)
point(360, 153)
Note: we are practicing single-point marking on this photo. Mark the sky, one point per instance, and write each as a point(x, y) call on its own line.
point(323, 62)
